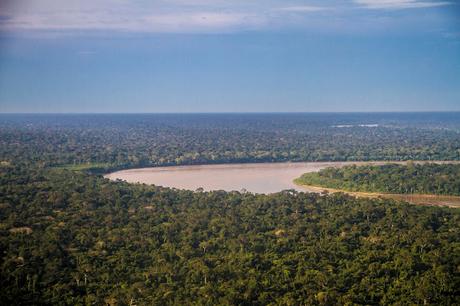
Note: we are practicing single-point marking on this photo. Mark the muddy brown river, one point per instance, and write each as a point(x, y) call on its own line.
point(258, 178)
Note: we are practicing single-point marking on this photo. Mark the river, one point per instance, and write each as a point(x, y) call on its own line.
point(258, 178)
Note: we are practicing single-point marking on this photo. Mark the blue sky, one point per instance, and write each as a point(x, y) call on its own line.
point(229, 56)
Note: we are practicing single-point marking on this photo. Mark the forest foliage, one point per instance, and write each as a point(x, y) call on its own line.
point(81, 239)
point(125, 141)
point(431, 178)
point(70, 237)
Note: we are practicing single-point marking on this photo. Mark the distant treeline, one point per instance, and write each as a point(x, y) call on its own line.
point(440, 179)
point(108, 142)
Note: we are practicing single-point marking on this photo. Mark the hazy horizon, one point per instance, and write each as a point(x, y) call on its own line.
point(230, 113)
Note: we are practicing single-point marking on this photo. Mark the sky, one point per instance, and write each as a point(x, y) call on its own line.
point(156, 56)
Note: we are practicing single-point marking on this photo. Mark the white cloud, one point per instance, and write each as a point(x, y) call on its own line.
point(145, 16)
point(186, 16)
point(200, 21)
point(301, 9)
point(399, 4)
point(160, 22)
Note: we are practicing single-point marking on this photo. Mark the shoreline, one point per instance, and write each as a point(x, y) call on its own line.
point(413, 198)
point(265, 178)
point(275, 163)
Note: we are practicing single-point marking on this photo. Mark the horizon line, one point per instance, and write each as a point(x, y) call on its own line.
point(224, 113)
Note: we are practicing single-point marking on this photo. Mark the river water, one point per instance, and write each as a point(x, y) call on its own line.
point(258, 178)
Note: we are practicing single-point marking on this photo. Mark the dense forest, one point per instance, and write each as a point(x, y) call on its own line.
point(125, 141)
point(440, 179)
point(75, 239)
point(70, 237)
